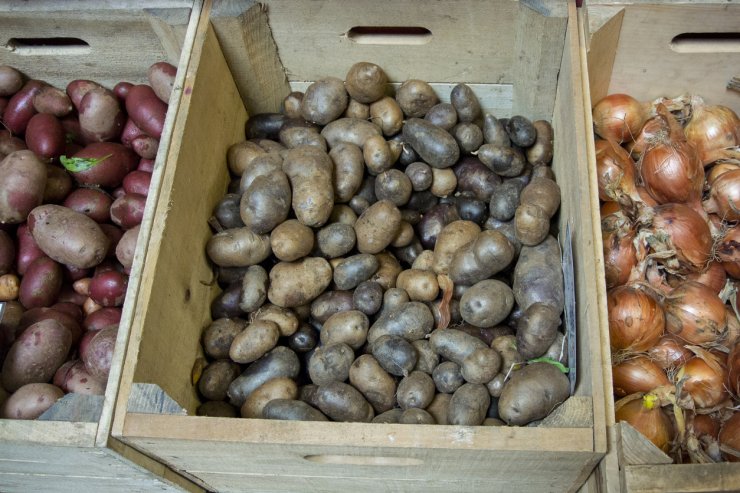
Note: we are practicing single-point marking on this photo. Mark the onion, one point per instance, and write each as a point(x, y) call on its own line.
point(615, 171)
point(654, 129)
point(647, 417)
point(646, 197)
point(733, 369)
point(671, 172)
point(729, 438)
point(636, 319)
point(689, 237)
point(608, 208)
point(620, 256)
point(724, 196)
point(733, 326)
point(695, 313)
point(670, 352)
point(727, 250)
point(618, 117)
point(718, 169)
point(703, 379)
point(704, 424)
point(713, 277)
point(711, 129)
point(637, 374)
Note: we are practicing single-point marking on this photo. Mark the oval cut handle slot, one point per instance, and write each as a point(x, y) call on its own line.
point(363, 460)
point(48, 46)
point(706, 43)
point(389, 35)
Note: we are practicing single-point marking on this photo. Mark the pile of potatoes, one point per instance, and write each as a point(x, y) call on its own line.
point(74, 178)
point(386, 257)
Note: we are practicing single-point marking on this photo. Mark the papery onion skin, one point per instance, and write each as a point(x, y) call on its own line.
point(637, 374)
point(689, 232)
point(670, 352)
point(718, 170)
point(704, 424)
point(727, 249)
point(647, 417)
point(724, 196)
point(620, 255)
point(729, 436)
point(609, 208)
point(714, 277)
point(671, 172)
point(733, 369)
point(703, 383)
point(636, 319)
point(652, 130)
point(618, 117)
point(695, 313)
point(733, 325)
point(711, 128)
point(615, 171)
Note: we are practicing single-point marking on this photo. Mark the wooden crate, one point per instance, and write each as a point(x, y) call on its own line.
point(523, 58)
point(69, 448)
point(652, 49)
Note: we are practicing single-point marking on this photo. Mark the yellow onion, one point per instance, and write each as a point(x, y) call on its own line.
point(724, 196)
point(609, 208)
point(638, 374)
point(713, 277)
point(615, 171)
point(636, 319)
point(670, 352)
point(653, 130)
point(733, 369)
point(704, 425)
point(671, 172)
point(711, 130)
point(618, 117)
point(690, 237)
point(647, 417)
point(703, 378)
point(729, 438)
point(727, 249)
point(718, 170)
point(620, 256)
point(695, 313)
point(733, 325)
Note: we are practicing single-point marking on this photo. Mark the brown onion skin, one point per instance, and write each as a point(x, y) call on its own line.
point(648, 133)
point(618, 117)
point(615, 171)
point(689, 234)
point(653, 422)
point(711, 128)
point(695, 313)
point(718, 170)
point(727, 250)
point(608, 208)
point(637, 374)
point(733, 369)
point(714, 277)
point(636, 319)
point(729, 436)
point(670, 352)
point(672, 172)
point(704, 425)
point(620, 255)
point(724, 193)
point(703, 383)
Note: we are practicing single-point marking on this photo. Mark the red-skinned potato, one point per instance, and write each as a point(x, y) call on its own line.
point(45, 136)
point(31, 401)
point(35, 315)
point(77, 89)
point(92, 202)
point(72, 130)
point(70, 309)
point(68, 295)
point(114, 234)
point(72, 376)
point(41, 284)
point(58, 184)
point(109, 288)
point(101, 115)
point(7, 253)
point(52, 101)
point(130, 132)
point(73, 274)
point(102, 318)
point(102, 163)
point(98, 353)
point(19, 109)
point(137, 182)
point(161, 77)
point(145, 146)
point(27, 250)
point(128, 211)
point(146, 165)
point(22, 185)
point(127, 247)
point(146, 110)
point(121, 90)
point(10, 143)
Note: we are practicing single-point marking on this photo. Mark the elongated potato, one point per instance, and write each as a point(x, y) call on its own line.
point(291, 240)
point(350, 272)
point(310, 172)
point(388, 417)
point(342, 402)
point(254, 288)
point(411, 320)
point(238, 247)
point(439, 407)
point(297, 283)
point(377, 385)
point(280, 362)
point(276, 388)
point(348, 169)
point(454, 345)
point(285, 318)
point(22, 184)
point(452, 238)
point(536, 330)
point(349, 327)
point(469, 405)
point(293, 410)
point(216, 378)
point(538, 276)
point(351, 130)
point(480, 259)
point(30, 401)
point(254, 341)
point(532, 393)
point(434, 145)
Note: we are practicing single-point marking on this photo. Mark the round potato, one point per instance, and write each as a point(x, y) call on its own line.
point(416, 98)
point(266, 202)
point(469, 405)
point(367, 297)
point(349, 327)
point(324, 101)
point(481, 366)
point(452, 238)
point(366, 82)
point(297, 283)
point(394, 354)
point(330, 363)
point(216, 378)
point(442, 115)
point(436, 147)
point(415, 390)
point(447, 377)
point(218, 336)
point(486, 303)
point(421, 285)
point(532, 393)
point(387, 114)
point(304, 339)
point(377, 385)
point(291, 240)
point(277, 388)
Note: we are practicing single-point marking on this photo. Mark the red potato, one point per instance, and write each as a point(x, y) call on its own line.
point(10, 143)
point(145, 146)
point(7, 253)
point(45, 136)
point(41, 284)
point(20, 108)
point(36, 354)
point(127, 247)
point(70, 309)
point(146, 110)
point(109, 288)
point(102, 318)
point(72, 130)
point(101, 116)
point(68, 295)
point(117, 193)
point(35, 315)
point(27, 250)
point(52, 101)
point(128, 211)
point(31, 401)
point(98, 353)
point(146, 165)
point(77, 89)
point(73, 274)
point(102, 163)
point(137, 182)
point(58, 184)
point(11, 81)
point(72, 376)
point(92, 202)
point(22, 185)
point(130, 132)
point(121, 90)
point(3, 104)
point(162, 79)
point(114, 234)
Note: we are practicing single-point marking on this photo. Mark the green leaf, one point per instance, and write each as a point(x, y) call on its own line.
point(560, 366)
point(77, 164)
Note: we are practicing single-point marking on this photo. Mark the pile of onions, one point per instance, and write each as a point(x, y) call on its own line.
point(670, 215)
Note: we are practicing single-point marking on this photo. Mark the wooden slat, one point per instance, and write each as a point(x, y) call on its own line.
point(634, 448)
point(683, 478)
point(604, 30)
point(57, 433)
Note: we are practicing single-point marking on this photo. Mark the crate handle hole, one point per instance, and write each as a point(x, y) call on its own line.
point(389, 35)
point(363, 460)
point(706, 43)
point(48, 46)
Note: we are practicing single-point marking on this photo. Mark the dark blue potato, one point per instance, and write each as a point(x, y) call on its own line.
point(289, 409)
point(494, 131)
point(355, 269)
point(264, 126)
point(521, 131)
point(505, 200)
point(395, 355)
point(469, 136)
point(226, 211)
point(304, 339)
point(226, 304)
point(504, 161)
point(434, 221)
point(280, 362)
point(435, 146)
point(368, 297)
point(442, 115)
point(473, 176)
point(538, 276)
point(411, 320)
point(465, 102)
point(469, 208)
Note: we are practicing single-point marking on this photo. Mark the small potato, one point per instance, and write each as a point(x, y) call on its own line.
point(368, 297)
point(126, 247)
point(161, 76)
point(454, 345)
point(544, 193)
point(506, 347)
point(465, 102)
point(240, 155)
point(146, 110)
point(349, 327)
point(41, 284)
point(558, 350)
point(486, 303)
point(31, 401)
point(434, 145)
point(297, 283)
point(393, 298)
point(101, 116)
point(127, 211)
point(507, 228)
point(469, 405)
point(411, 320)
point(22, 185)
point(538, 276)
point(355, 109)
point(342, 402)
point(291, 105)
point(387, 114)
point(505, 200)
point(280, 362)
point(388, 270)
point(427, 359)
point(218, 337)
point(415, 390)
point(521, 131)
point(532, 393)
point(254, 341)
point(389, 417)
point(494, 132)
point(378, 387)
point(496, 386)
point(366, 82)
point(416, 98)
point(304, 339)
point(504, 161)
point(474, 177)
point(541, 151)
point(324, 101)
point(421, 285)
point(353, 270)
point(377, 226)
point(536, 330)
point(264, 126)
point(481, 366)
point(293, 410)
point(238, 247)
point(393, 185)
point(309, 170)
point(469, 136)
point(343, 214)
point(416, 416)
point(10, 286)
point(424, 261)
point(405, 238)
point(438, 408)
point(348, 169)
point(442, 115)
point(330, 363)
point(291, 240)
point(254, 289)
point(447, 377)
point(72, 376)
point(351, 130)
point(276, 388)
point(92, 202)
point(336, 240)
point(396, 355)
point(329, 303)
point(266, 202)
point(451, 238)
point(11, 81)
point(19, 108)
point(294, 136)
point(444, 182)
point(377, 155)
point(216, 378)
point(487, 255)
point(45, 136)
point(420, 175)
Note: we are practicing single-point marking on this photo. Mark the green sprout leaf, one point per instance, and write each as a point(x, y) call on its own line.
point(77, 164)
point(560, 366)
